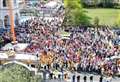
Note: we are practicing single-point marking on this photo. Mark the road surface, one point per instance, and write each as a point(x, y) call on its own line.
point(95, 78)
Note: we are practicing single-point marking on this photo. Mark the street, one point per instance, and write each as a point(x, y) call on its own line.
point(96, 78)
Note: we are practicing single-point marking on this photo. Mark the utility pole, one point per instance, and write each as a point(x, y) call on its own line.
point(12, 21)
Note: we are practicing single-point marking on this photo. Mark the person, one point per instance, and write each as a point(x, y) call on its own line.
point(51, 75)
point(45, 68)
point(78, 78)
point(44, 75)
point(85, 78)
point(101, 79)
point(62, 71)
point(73, 78)
point(91, 78)
point(48, 66)
point(59, 76)
point(93, 45)
point(109, 78)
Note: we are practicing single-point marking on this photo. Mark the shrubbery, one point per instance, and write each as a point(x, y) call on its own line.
point(74, 13)
point(16, 73)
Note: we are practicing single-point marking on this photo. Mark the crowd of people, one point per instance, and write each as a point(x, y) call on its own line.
point(86, 49)
point(96, 45)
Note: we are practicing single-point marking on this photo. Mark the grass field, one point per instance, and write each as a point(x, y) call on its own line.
point(106, 16)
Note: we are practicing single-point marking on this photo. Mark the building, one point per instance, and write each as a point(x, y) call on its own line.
point(21, 3)
point(117, 1)
point(5, 15)
point(90, 2)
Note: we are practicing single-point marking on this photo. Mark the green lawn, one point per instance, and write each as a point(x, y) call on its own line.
point(106, 16)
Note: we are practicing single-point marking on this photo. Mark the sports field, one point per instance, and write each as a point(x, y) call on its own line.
point(106, 16)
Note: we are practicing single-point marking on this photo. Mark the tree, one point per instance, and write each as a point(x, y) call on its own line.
point(16, 73)
point(107, 3)
point(74, 13)
point(96, 3)
point(72, 4)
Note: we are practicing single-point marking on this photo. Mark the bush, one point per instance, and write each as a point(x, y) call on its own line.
point(117, 6)
point(16, 73)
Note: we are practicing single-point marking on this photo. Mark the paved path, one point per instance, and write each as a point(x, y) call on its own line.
point(54, 81)
point(95, 78)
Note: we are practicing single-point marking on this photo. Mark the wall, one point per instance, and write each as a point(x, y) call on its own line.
point(5, 10)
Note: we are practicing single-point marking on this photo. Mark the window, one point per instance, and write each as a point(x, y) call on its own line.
point(6, 21)
point(15, 3)
point(4, 3)
point(16, 19)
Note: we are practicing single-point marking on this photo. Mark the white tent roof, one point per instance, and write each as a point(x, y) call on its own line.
point(25, 57)
point(21, 46)
point(8, 46)
point(19, 56)
point(18, 46)
point(3, 55)
point(115, 57)
point(51, 4)
point(25, 18)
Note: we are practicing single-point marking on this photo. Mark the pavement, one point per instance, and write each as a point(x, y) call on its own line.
point(95, 78)
point(53, 80)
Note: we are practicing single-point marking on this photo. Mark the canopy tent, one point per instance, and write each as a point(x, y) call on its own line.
point(21, 46)
point(115, 57)
point(8, 46)
point(25, 57)
point(25, 18)
point(18, 46)
point(51, 4)
point(112, 58)
point(19, 56)
point(3, 56)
